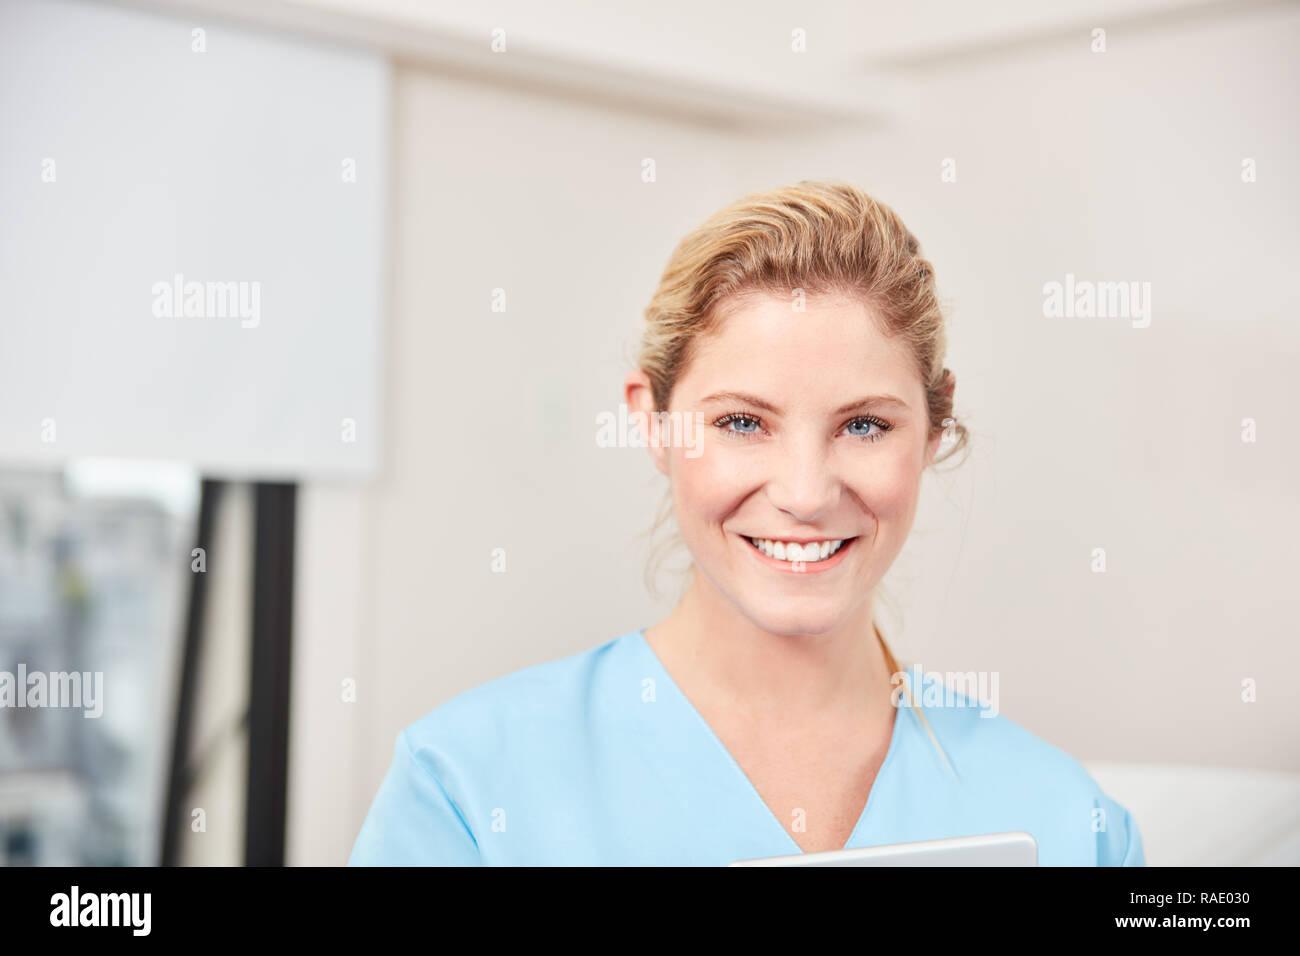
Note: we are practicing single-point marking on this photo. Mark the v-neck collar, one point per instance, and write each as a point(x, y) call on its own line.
point(895, 739)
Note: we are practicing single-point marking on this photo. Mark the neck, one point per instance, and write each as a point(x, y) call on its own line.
point(715, 652)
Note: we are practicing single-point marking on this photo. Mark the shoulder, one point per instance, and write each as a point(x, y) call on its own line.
point(993, 755)
point(455, 767)
point(523, 707)
point(981, 741)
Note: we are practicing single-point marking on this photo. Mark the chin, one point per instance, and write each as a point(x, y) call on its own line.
point(796, 621)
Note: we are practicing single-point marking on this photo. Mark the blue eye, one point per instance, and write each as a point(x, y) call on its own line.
point(875, 428)
point(741, 418)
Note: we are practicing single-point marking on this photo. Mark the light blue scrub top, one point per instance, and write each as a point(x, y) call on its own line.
point(599, 759)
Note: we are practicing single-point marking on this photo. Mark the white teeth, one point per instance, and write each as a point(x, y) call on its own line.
point(788, 551)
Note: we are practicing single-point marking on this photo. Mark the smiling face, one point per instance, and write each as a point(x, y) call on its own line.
point(815, 429)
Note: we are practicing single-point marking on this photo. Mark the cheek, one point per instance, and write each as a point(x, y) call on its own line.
point(889, 485)
point(708, 486)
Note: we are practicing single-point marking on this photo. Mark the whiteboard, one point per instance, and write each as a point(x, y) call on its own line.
point(192, 232)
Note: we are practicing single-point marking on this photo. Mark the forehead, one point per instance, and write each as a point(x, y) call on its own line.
point(836, 343)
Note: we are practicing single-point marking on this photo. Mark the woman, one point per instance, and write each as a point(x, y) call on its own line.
point(765, 716)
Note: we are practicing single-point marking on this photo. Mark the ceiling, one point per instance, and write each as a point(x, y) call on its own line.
point(725, 61)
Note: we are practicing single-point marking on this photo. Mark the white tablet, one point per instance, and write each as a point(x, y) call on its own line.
point(1017, 848)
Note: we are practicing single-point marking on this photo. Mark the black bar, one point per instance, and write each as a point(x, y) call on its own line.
point(179, 771)
point(283, 905)
point(268, 702)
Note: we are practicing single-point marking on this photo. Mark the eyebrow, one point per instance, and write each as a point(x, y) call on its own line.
point(871, 401)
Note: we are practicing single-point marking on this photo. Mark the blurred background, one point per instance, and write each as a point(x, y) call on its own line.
point(308, 311)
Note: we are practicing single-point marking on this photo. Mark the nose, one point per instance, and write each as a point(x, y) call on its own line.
point(804, 483)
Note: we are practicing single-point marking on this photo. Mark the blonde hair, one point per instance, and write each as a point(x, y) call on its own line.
point(814, 238)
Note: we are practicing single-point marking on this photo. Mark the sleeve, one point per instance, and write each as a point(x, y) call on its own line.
point(1121, 843)
point(1134, 855)
point(412, 821)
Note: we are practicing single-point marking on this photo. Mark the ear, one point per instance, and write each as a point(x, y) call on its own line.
point(933, 443)
point(639, 398)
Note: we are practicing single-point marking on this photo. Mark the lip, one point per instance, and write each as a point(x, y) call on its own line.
point(804, 567)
